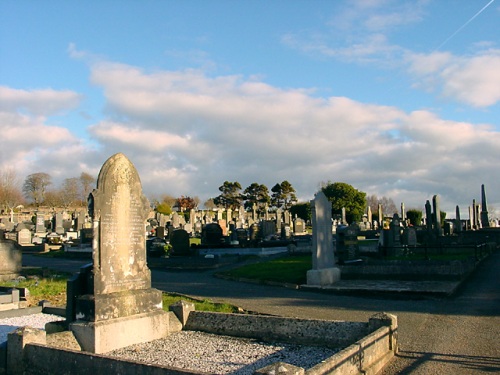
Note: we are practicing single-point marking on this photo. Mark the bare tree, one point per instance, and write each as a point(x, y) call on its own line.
point(35, 186)
point(10, 190)
point(87, 183)
point(70, 192)
point(52, 199)
point(388, 205)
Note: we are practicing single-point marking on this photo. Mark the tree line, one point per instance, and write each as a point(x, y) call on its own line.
point(38, 189)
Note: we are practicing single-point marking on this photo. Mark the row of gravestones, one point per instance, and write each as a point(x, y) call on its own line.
point(198, 219)
point(391, 242)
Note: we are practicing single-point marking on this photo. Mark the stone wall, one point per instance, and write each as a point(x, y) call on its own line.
point(366, 355)
point(335, 334)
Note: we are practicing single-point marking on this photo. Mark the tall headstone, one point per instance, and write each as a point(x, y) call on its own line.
point(458, 221)
point(403, 212)
point(112, 304)
point(436, 215)
point(40, 223)
point(428, 216)
point(279, 216)
point(485, 223)
point(380, 216)
point(58, 227)
point(323, 270)
point(344, 220)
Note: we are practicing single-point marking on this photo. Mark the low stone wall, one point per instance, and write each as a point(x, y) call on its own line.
point(28, 354)
point(403, 269)
point(334, 334)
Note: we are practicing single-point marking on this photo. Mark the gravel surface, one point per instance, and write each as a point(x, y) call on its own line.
point(215, 354)
point(8, 325)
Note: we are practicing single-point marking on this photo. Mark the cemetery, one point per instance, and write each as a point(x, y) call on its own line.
point(112, 306)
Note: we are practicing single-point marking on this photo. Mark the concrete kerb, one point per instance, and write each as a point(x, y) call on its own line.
point(376, 344)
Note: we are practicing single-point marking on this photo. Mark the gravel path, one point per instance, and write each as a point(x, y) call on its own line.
point(215, 354)
point(8, 325)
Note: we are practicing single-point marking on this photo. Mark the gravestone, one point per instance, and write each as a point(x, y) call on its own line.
point(410, 236)
point(111, 304)
point(180, 242)
point(458, 221)
point(40, 223)
point(223, 225)
point(175, 220)
point(211, 235)
point(323, 270)
point(58, 223)
point(351, 245)
point(267, 229)
point(160, 232)
point(484, 209)
point(11, 258)
point(24, 237)
point(299, 226)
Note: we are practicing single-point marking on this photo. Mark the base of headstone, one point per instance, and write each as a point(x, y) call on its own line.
point(105, 336)
point(323, 277)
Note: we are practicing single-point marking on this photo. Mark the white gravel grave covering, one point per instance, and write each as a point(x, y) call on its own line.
point(8, 325)
point(216, 354)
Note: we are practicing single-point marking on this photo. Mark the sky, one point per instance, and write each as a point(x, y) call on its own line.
point(397, 98)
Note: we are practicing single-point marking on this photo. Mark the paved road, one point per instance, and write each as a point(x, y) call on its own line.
point(457, 335)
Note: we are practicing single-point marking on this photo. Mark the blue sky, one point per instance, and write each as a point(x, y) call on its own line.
point(398, 98)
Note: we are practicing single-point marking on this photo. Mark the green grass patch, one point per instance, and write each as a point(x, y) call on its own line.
point(64, 254)
point(45, 284)
point(291, 269)
point(194, 241)
point(200, 305)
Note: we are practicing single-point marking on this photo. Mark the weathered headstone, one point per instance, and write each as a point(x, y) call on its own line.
point(24, 237)
point(40, 223)
point(323, 270)
point(111, 303)
point(10, 259)
point(58, 223)
point(299, 226)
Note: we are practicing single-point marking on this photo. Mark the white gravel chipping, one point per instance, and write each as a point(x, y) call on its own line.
point(215, 354)
point(8, 325)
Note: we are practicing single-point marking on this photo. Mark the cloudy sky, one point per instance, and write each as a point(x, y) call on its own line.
point(397, 98)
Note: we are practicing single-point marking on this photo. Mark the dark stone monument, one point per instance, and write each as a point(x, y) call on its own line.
point(485, 223)
point(211, 235)
point(180, 242)
point(436, 216)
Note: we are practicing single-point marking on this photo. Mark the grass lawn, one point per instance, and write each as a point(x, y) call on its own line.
point(45, 284)
point(290, 269)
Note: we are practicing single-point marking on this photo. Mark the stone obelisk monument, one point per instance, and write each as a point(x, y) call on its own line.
point(323, 272)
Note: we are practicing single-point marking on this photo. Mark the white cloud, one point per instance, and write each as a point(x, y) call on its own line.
point(472, 80)
point(37, 102)
point(188, 132)
point(29, 142)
